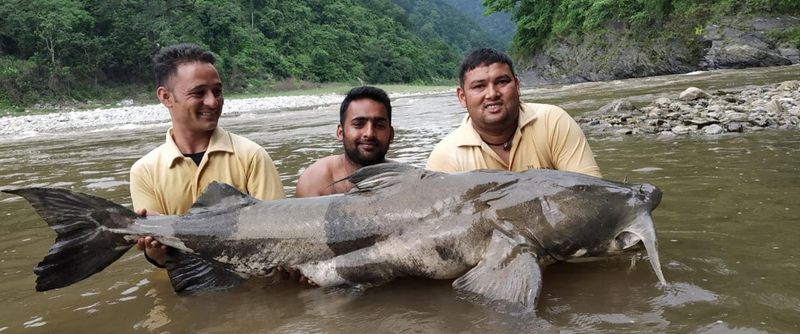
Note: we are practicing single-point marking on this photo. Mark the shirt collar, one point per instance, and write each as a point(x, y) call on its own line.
point(467, 136)
point(220, 142)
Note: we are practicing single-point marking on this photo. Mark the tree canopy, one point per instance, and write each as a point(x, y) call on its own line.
point(71, 48)
point(540, 22)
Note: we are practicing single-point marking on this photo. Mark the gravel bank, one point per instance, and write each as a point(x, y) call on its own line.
point(31, 125)
point(696, 112)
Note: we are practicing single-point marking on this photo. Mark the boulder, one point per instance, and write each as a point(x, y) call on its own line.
point(682, 130)
point(617, 106)
point(793, 54)
point(713, 129)
point(693, 93)
point(662, 102)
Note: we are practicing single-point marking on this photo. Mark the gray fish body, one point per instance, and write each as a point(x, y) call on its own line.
point(492, 231)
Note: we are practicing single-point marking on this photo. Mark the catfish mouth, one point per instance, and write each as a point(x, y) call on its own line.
point(640, 235)
point(627, 241)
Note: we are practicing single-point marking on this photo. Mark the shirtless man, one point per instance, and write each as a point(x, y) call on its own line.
point(365, 129)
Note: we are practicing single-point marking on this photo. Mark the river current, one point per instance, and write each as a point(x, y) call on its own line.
point(728, 226)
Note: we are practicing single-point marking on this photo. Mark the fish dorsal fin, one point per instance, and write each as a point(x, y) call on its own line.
point(217, 193)
point(508, 278)
point(383, 175)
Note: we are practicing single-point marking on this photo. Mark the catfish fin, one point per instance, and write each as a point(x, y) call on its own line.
point(383, 175)
point(508, 278)
point(191, 273)
point(85, 243)
point(218, 193)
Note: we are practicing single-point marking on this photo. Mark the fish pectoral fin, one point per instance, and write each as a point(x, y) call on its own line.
point(191, 273)
point(507, 279)
point(218, 193)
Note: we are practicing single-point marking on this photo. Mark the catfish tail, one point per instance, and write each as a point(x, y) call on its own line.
point(83, 245)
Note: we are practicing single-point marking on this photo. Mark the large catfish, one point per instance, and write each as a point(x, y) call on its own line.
point(491, 231)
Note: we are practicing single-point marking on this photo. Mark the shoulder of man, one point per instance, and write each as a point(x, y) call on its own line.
point(317, 176)
point(544, 110)
point(244, 145)
point(150, 160)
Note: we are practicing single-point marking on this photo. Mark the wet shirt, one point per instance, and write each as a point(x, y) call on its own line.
point(167, 182)
point(546, 137)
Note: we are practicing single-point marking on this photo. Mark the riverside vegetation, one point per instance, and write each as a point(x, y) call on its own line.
point(57, 51)
point(584, 40)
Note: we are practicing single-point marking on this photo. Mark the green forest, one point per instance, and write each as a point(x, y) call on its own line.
point(541, 22)
point(75, 50)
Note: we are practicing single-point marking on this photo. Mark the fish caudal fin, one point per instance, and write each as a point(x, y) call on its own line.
point(191, 273)
point(83, 245)
point(508, 279)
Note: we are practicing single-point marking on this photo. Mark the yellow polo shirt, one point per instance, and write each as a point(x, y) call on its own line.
point(165, 181)
point(546, 137)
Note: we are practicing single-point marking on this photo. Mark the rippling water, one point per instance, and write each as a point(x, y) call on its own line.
point(728, 228)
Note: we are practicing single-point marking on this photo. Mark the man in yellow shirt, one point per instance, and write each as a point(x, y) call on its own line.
point(197, 151)
point(499, 132)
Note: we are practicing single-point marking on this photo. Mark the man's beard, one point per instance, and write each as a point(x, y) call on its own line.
point(354, 155)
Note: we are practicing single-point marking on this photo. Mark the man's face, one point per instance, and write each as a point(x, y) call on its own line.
point(366, 132)
point(194, 97)
point(491, 95)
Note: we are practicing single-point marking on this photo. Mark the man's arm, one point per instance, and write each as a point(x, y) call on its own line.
point(571, 151)
point(143, 194)
point(263, 181)
point(145, 203)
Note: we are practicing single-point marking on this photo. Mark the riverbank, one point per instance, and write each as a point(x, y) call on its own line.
point(697, 112)
point(127, 114)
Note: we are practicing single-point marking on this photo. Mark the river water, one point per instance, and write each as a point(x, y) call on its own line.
point(728, 228)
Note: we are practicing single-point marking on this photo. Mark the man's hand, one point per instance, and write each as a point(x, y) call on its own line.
point(151, 247)
point(293, 274)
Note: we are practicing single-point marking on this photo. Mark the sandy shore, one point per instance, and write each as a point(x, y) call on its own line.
point(31, 125)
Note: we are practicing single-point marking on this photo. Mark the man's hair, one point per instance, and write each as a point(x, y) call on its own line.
point(167, 60)
point(482, 57)
point(366, 92)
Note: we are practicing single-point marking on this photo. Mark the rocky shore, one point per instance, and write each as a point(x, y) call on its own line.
point(696, 112)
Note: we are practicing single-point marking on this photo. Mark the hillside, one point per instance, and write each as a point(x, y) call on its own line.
point(498, 25)
point(55, 50)
point(578, 40)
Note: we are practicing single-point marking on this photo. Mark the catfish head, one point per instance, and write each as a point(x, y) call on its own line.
point(575, 217)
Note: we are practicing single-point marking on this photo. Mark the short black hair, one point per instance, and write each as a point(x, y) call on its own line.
point(366, 92)
point(167, 60)
point(482, 57)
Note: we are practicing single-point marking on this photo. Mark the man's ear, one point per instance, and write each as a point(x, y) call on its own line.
point(391, 134)
point(462, 98)
point(339, 132)
point(164, 96)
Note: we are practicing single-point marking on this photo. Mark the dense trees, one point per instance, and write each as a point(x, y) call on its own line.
point(50, 49)
point(540, 22)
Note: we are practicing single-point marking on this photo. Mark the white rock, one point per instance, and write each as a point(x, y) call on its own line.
point(713, 129)
point(693, 93)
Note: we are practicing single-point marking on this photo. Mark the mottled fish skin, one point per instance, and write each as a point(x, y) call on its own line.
point(430, 225)
point(482, 227)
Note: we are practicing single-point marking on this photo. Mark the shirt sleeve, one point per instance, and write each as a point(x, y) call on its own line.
point(263, 181)
point(571, 151)
point(143, 192)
